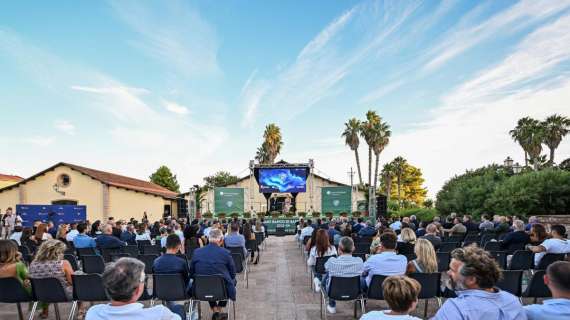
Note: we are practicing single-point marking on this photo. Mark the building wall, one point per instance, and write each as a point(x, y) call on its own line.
point(9, 199)
point(303, 200)
point(126, 204)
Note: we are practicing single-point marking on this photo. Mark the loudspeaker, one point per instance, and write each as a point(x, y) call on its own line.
point(381, 206)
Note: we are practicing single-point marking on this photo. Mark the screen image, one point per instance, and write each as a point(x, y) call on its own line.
point(282, 180)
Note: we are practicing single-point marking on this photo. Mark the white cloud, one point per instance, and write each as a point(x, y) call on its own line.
point(251, 94)
point(40, 141)
point(65, 127)
point(173, 33)
point(175, 107)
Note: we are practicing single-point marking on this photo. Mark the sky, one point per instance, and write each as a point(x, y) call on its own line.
point(127, 86)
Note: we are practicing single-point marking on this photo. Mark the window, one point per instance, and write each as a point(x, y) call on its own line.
point(63, 180)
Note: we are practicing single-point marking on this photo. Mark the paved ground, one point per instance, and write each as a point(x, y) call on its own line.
point(278, 289)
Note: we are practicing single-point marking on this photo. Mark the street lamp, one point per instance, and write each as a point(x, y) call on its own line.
point(508, 162)
point(517, 168)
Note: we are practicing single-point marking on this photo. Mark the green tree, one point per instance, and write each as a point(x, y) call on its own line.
point(351, 139)
point(412, 192)
point(164, 177)
point(273, 142)
point(368, 132)
point(399, 164)
point(220, 179)
point(381, 139)
point(428, 203)
point(529, 133)
point(555, 128)
point(387, 179)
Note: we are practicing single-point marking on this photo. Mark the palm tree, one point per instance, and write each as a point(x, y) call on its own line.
point(369, 133)
point(261, 155)
point(351, 139)
point(554, 128)
point(273, 142)
point(382, 138)
point(528, 133)
point(388, 174)
point(399, 165)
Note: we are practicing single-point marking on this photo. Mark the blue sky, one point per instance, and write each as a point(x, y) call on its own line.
point(126, 86)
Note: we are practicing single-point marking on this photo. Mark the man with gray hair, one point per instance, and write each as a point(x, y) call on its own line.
point(213, 259)
point(515, 240)
point(431, 236)
point(124, 284)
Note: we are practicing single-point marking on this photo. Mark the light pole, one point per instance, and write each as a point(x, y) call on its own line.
point(517, 168)
point(508, 162)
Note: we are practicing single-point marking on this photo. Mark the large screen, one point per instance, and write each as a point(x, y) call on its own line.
point(282, 180)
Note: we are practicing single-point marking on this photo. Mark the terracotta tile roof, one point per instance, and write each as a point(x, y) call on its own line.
point(7, 177)
point(110, 179)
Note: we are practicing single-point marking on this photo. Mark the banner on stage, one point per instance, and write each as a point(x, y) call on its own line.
point(57, 213)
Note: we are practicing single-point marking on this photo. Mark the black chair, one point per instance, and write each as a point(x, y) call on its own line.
point(106, 253)
point(536, 288)
point(492, 246)
point(93, 264)
point(260, 238)
point(12, 291)
point(85, 252)
point(456, 238)
point(360, 255)
point(306, 239)
point(116, 256)
point(549, 259)
point(486, 237)
point(362, 248)
point(448, 246)
point(469, 239)
point(48, 290)
point(148, 260)
point(87, 288)
point(189, 251)
point(241, 265)
point(500, 257)
point(344, 289)
point(374, 291)
point(72, 261)
point(251, 245)
point(210, 288)
point(131, 250)
point(150, 249)
point(443, 259)
point(511, 282)
point(170, 287)
point(142, 243)
point(430, 287)
point(320, 264)
point(521, 260)
point(279, 231)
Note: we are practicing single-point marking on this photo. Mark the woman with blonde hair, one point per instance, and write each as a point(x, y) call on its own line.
point(426, 259)
point(10, 264)
point(62, 233)
point(49, 263)
point(406, 241)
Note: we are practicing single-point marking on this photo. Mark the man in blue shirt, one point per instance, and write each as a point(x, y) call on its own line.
point(212, 259)
point(368, 231)
point(129, 235)
point(107, 241)
point(388, 262)
point(169, 263)
point(557, 279)
point(82, 240)
point(474, 274)
point(234, 239)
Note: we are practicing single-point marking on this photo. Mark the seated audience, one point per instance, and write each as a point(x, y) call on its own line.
point(322, 248)
point(426, 259)
point(10, 264)
point(72, 232)
point(557, 279)
point(387, 262)
point(141, 233)
point(234, 239)
point(250, 236)
point(17, 234)
point(516, 240)
point(124, 283)
point(307, 231)
point(169, 263)
point(82, 240)
point(421, 231)
point(486, 224)
point(458, 229)
point(212, 259)
point(431, 236)
point(49, 263)
point(556, 244)
point(106, 240)
point(537, 234)
point(406, 241)
point(344, 266)
point(367, 231)
point(401, 294)
point(502, 226)
point(469, 224)
point(129, 236)
point(474, 275)
point(62, 233)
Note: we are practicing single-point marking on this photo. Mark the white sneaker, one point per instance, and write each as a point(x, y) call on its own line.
point(330, 309)
point(317, 284)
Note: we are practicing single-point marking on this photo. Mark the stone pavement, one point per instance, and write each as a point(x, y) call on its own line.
point(278, 289)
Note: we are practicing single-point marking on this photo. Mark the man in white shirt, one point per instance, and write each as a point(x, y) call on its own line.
point(72, 233)
point(556, 244)
point(388, 262)
point(124, 284)
point(307, 230)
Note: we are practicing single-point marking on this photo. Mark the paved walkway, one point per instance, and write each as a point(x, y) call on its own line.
point(278, 289)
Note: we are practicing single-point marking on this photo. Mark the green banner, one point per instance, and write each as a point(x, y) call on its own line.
point(228, 200)
point(336, 200)
point(362, 206)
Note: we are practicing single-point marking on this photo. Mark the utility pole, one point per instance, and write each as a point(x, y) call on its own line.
point(351, 174)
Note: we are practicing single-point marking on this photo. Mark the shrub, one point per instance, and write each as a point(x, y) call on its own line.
point(421, 214)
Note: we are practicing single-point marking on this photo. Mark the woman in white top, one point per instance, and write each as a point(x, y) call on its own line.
point(401, 294)
point(141, 234)
point(258, 227)
point(322, 248)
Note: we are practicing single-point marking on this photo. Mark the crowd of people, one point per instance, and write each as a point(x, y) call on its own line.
point(399, 247)
point(124, 279)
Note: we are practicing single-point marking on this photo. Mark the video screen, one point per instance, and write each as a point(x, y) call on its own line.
point(282, 180)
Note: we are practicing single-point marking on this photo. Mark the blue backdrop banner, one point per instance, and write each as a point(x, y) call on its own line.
point(57, 213)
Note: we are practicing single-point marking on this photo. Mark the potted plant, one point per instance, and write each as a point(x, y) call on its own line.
point(221, 215)
point(290, 214)
point(207, 215)
point(302, 214)
point(235, 215)
point(247, 215)
point(261, 214)
point(316, 214)
point(329, 215)
point(344, 214)
point(275, 214)
point(356, 214)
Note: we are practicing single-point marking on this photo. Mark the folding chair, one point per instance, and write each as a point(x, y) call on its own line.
point(150, 249)
point(131, 250)
point(374, 291)
point(142, 243)
point(448, 246)
point(260, 238)
point(170, 287)
point(469, 239)
point(210, 288)
point(343, 289)
point(12, 291)
point(536, 288)
point(319, 268)
point(492, 246)
point(116, 256)
point(106, 253)
point(500, 257)
point(93, 264)
point(443, 259)
point(72, 261)
point(48, 290)
point(87, 288)
point(511, 282)
point(521, 260)
point(549, 259)
point(430, 287)
point(148, 260)
point(241, 266)
point(90, 251)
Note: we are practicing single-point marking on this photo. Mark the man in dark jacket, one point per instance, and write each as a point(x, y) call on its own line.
point(107, 241)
